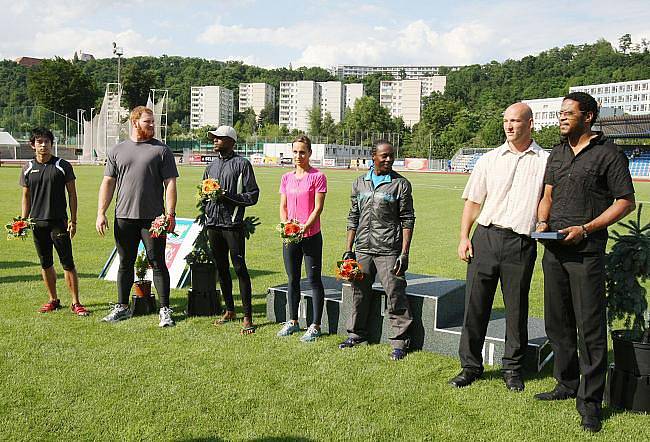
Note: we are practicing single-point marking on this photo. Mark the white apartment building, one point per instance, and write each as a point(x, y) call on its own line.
point(544, 111)
point(255, 96)
point(403, 98)
point(409, 72)
point(632, 97)
point(211, 106)
point(353, 91)
point(297, 98)
point(331, 98)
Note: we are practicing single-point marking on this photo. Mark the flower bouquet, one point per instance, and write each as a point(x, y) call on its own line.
point(291, 231)
point(19, 227)
point(160, 227)
point(348, 269)
point(209, 189)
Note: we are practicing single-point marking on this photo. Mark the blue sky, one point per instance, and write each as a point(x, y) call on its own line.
point(315, 33)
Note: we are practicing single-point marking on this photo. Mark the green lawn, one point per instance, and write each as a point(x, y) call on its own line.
point(69, 378)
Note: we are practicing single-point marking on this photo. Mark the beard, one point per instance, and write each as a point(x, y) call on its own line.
point(144, 133)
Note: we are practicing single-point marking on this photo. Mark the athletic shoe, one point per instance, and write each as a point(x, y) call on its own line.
point(398, 354)
point(119, 313)
point(79, 310)
point(50, 306)
point(351, 342)
point(165, 316)
point(311, 334)
point(288, 328)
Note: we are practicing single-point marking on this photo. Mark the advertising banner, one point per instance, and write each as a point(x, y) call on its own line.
point(416, 163)
point(176, 250)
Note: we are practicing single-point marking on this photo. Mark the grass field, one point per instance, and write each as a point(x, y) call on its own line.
point(69, 378)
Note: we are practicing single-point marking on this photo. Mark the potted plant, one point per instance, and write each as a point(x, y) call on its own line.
point(142, 285)
point(627, 266)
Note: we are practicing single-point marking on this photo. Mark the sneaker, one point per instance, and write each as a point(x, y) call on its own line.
point(288, 328)
point(398, 354)
point(351, 342)
point(50, 306)
point(118, 313)
point(311, 334)
point(79, 310)
point(165, 316)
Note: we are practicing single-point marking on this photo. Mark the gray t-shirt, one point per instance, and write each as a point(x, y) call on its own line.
point(140, 169)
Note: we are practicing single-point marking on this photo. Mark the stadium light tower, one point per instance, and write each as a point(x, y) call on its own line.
point(119, 51)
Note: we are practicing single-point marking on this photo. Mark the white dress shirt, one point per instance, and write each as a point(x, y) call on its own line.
point(509, 185)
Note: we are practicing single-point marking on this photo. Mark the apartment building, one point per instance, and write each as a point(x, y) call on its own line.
point(297, 98)
point(631, 97)
point(353, 91)
point(544, 111)
point(211, 106)
point(398, 72)
point(256, 96)
point(403, 98)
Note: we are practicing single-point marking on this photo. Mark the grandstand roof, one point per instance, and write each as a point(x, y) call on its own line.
point(7, 140)
point(625, 126)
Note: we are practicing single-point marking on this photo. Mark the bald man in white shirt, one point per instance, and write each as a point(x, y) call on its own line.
point(501, 196)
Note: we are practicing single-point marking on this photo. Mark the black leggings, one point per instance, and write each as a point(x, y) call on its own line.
point(312, 250)
point(222, 242)
point(128, 233)
point(53, 233)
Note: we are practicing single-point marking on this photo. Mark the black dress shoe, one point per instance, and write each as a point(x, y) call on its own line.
point(465, 378)
point(559, 393)
point(513, 380)
point(591, 424)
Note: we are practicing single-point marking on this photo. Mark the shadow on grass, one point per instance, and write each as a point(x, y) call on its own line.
point(257, 439)
point(37, 277)
point(17, 264)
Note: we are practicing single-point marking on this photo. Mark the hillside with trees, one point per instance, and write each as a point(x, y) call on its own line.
point(468, 114)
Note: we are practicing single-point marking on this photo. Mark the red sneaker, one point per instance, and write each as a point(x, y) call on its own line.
point(79, 310)
point(50, 306)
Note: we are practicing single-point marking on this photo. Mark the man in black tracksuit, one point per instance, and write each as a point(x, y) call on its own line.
point(587, 188)
point(380, 227)
point(224, 220)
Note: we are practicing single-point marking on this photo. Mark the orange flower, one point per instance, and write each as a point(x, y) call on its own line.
point(18, 226)
point(291, 229)
point(210, 185)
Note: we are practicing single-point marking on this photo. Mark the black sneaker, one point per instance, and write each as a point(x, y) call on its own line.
point(559, 393)
point(352, 342)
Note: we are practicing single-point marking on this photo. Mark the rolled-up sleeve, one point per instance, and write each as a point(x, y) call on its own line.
point(406, 210)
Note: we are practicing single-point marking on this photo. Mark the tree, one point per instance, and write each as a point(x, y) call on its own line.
point(136, 84)
point(315, 120)
point(269, 115)
point(60, 86)
point(368, 116)
point(328, 127)
point(547, 137)
point(625, 43)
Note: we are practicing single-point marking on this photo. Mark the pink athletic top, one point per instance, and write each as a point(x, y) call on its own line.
point(301, 196)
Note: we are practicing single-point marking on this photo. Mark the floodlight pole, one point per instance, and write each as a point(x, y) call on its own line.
point(92, 141)
point(119, 51)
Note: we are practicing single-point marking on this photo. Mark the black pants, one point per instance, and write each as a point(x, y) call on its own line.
point(499, 255)
point(49, 234)
point(312, 250)
point(574, 298)
point(231, 241)
point(128, 233)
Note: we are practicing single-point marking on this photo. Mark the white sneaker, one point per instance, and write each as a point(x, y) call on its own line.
point(118, 313)
point(165, 316)
point(311, 334)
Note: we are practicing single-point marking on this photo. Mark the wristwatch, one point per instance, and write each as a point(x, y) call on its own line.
point(539, 223)
point(584, 231)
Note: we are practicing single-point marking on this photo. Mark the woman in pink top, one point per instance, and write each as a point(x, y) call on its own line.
point(302, 195)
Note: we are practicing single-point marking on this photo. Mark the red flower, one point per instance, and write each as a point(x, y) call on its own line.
point(18, 226)
point(291, 229)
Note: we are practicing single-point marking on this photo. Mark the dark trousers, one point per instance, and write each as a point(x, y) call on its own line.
point(399, 313)
point(311, 249)
point(224, 242)
point(574, 298)
point(499, 255)
point(128, 233)
point(50, 234)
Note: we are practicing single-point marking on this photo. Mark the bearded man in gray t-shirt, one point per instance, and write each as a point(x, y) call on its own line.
point(141, 168)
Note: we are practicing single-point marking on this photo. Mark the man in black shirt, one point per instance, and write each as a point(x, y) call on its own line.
point(588, 187)
point(224, 221)
point(45, 180)
point(138, 168)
